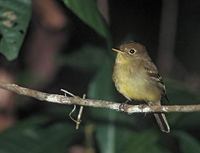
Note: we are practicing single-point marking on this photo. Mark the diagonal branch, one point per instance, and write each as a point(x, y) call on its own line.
point(55, 98)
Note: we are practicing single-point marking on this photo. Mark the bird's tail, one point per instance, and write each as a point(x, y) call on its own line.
point(162, 122)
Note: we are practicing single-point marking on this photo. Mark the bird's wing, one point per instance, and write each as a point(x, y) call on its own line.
point(152, 72)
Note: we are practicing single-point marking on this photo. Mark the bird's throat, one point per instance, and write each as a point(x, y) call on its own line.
point(122, 59)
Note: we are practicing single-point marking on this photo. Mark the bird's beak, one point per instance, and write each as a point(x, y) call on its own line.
point(117, 50)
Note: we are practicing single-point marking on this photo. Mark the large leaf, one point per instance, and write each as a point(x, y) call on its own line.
point(102, 88)
point(188, 144)
point(88, 12)
point(14, 19)
point(128, 141)
point(37, 135)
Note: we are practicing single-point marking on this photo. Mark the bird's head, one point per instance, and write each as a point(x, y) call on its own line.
point(131, 51)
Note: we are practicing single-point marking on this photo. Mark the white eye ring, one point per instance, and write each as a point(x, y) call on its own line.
point(132, 51)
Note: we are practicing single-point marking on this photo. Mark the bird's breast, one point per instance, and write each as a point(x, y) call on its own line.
point(132, 82)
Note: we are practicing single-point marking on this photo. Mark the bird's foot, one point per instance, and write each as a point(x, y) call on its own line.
point(123, 106)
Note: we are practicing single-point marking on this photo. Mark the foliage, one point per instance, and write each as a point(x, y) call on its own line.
point(89, 13)
point(115, 132)
point(35, 135)
point(188, 144)
point(14, 19)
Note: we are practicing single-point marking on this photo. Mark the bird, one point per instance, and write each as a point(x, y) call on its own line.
point(136, 77)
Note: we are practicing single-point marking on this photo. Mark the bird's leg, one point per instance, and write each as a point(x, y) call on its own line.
point(122, 106)
point(145, 105)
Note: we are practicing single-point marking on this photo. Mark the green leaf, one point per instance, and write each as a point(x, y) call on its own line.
point(88, 12)
point(37, 135)
point(87, 57)
point(128, 141)
point(188, 144)
point(14, 19)
point(138, 142)
point(102, 88)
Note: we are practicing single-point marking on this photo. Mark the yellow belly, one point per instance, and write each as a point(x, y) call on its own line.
point(139, 92)
point(136, 86)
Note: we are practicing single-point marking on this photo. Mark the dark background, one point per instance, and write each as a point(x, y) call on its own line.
point(64, 46)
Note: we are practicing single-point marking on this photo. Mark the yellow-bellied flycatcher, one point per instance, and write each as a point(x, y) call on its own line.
point(136, 77)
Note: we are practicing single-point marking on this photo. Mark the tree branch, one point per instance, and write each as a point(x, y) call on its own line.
point(55, 98)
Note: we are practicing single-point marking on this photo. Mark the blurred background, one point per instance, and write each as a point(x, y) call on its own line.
point(50, 45)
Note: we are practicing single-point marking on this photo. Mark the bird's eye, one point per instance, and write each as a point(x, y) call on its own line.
point(132, 51)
